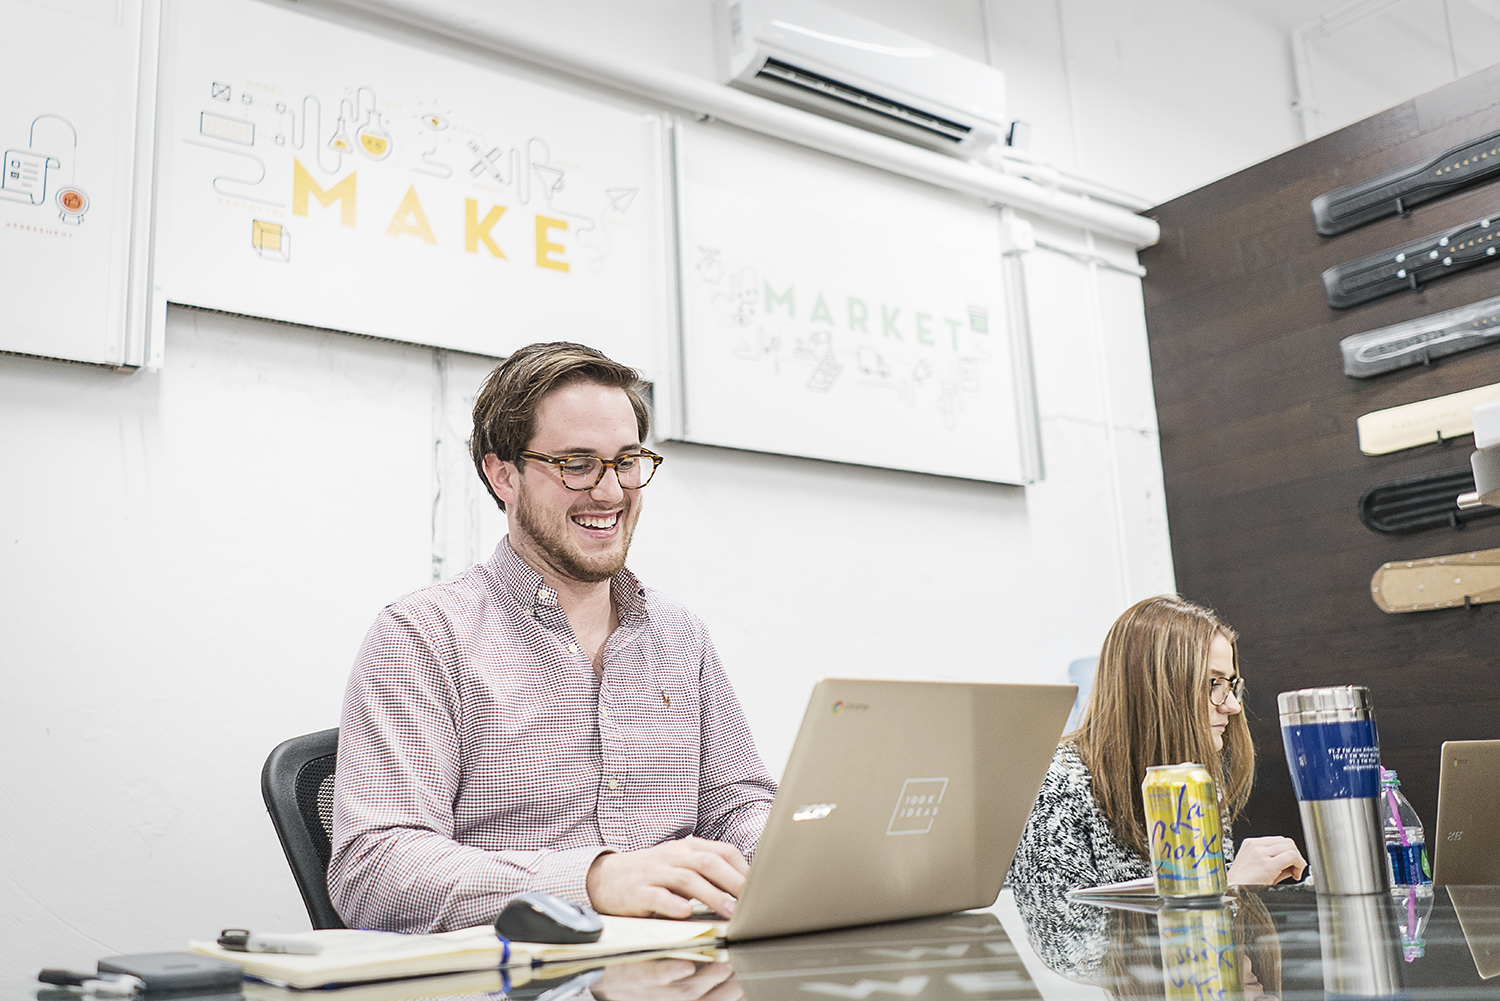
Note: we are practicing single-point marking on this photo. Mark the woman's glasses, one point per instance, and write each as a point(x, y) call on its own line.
point(1219, 689)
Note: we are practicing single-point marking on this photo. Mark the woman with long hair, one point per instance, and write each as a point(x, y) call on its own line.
point(1167, 690)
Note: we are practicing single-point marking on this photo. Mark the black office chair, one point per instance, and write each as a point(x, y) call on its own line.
point(297, 784)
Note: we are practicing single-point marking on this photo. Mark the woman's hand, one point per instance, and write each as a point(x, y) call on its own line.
point(1263, 861)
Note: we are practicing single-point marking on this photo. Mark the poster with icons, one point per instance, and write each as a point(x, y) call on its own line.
point(320, 174)
point(70, 136)
point(846, 314)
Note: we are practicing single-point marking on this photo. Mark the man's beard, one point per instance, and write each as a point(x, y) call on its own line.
point(561, 550)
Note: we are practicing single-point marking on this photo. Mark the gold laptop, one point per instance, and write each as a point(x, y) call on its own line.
point(1466, 842)
point(901, 799)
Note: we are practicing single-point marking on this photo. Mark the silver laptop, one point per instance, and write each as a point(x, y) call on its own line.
point(1466, 842)
point(901, 799)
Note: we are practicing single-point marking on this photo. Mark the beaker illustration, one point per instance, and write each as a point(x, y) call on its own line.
point(374, 140)
point(340, 140)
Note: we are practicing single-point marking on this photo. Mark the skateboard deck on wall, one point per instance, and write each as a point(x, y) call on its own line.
point(1392, 193)
point(1421, 502)
point(1412, 264)
point(1421, 341)
point(1423, 422)
point(1437, 582)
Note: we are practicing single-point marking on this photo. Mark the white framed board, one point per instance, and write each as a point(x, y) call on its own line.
point(317, 173)
point(76, 119)
point(844, 313)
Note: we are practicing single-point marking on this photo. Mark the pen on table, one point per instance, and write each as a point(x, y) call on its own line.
point(98, 984)
point(243, 940)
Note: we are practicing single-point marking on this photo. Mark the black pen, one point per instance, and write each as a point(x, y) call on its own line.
point(243, 940)
point(98, 984)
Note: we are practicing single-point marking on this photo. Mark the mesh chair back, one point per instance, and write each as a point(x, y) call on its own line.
point(297, 784)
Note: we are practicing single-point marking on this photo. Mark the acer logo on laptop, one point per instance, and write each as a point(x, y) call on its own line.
point(814, 811)
point(917, 806)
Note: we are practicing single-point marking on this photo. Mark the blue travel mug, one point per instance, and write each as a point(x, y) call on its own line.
point(1333, 751)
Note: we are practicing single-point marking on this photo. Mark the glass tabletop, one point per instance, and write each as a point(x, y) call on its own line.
point(1276, 942)
point(1279, 942)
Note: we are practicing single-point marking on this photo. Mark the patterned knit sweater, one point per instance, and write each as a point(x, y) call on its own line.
point(1068, 843)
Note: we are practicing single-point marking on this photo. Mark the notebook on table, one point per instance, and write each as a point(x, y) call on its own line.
point(901, 799)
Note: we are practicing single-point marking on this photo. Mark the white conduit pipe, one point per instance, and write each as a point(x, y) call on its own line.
point(699, 97)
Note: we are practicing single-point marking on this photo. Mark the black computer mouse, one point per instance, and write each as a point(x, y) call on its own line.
point(542, 917)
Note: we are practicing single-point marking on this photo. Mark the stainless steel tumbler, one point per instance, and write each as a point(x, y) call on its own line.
point(1333, 752)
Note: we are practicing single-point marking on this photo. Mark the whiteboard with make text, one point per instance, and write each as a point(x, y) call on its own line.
point(347, 176)
point(842, 313)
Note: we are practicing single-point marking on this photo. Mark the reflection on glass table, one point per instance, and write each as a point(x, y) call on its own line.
point(1285, 942)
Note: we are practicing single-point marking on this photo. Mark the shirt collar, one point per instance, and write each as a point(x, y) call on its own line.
point(526, 585)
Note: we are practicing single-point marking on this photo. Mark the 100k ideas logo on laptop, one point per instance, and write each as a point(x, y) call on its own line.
point(917, 806)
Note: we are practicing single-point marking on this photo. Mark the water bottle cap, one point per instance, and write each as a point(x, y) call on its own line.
point(1346, 698)
point(1388, 777)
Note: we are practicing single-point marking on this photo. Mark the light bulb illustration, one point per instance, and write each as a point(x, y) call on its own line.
point(340, 140)
point(374, 140)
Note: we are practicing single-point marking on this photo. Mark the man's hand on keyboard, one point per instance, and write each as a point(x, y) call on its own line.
point(665, 880)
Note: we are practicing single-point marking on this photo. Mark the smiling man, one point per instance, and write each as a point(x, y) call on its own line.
point(545, 721)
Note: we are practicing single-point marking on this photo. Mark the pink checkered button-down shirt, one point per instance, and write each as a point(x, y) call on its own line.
point(480, 755)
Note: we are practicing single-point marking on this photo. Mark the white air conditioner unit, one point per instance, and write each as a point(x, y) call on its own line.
point(822, 59)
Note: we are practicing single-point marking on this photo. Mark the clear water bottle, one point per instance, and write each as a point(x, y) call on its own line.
point(1413, 908)
point(1405, 841)
point(1406, 854)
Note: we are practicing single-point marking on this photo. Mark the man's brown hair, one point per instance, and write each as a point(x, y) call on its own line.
point(1149, 706)
point(505, 411)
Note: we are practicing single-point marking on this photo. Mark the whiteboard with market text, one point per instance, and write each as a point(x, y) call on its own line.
point(845, 313)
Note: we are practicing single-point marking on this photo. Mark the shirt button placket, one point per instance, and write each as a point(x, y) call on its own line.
point(611, 756)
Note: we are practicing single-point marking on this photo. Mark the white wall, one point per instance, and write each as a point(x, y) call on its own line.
point(1378, 53)
point(1155, 97)
point(191, 557)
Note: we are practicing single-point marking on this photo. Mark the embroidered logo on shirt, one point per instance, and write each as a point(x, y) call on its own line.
point(917, 806)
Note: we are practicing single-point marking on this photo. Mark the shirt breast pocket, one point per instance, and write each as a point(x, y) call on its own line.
point(668, 740)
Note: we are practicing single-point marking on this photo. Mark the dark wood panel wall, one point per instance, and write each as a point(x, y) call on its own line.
point(1262, 462)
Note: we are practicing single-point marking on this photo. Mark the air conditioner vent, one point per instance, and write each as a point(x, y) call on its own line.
point(813, 83)
point(827, 61)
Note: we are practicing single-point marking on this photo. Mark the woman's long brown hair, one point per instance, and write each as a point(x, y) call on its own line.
point(1149, 706)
